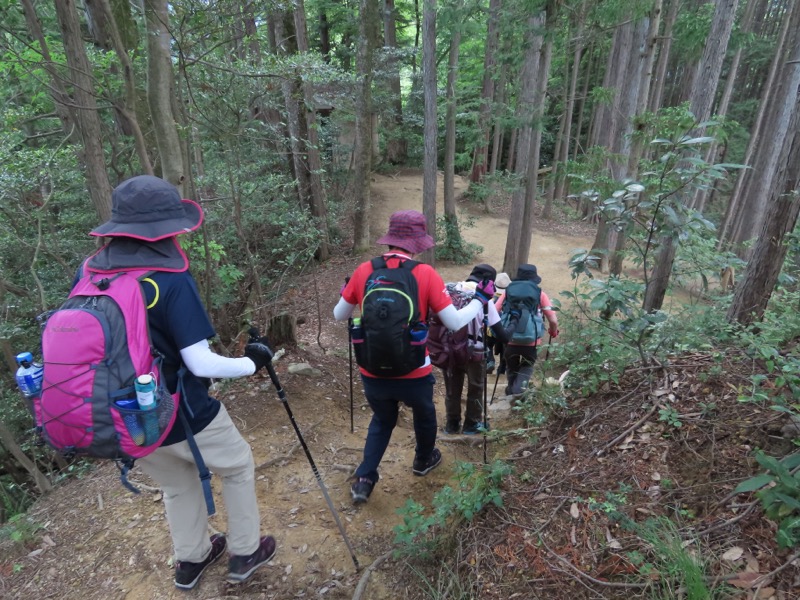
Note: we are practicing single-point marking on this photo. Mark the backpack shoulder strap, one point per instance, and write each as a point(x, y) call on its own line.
point(378, 263)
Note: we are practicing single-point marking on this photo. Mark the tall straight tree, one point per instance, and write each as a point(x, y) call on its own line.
point(429, 87)
point(481, 155)
point(524, 167)
point(362, 151)
point(451, 218)
point(396, 144)
point(783, 205)
point(318, 200)
point(88, 119)
point(778, 100)
point(700, 103)
point(161, 92)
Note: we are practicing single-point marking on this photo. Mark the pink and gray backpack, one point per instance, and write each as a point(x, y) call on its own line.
point(94, 346)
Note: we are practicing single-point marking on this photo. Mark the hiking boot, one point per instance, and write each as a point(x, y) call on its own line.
point(187, 574)
point(490, 364)
point(361, 490)
point(474, 428)
point(452, 427)
point(241, 568)
point(424, 467)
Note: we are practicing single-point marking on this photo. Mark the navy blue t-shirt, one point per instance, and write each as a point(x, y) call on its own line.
point(178, 319)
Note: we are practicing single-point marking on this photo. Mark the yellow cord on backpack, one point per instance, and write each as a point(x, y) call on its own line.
point(155, 286)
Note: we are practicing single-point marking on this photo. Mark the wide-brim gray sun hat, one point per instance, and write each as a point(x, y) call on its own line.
point(408, 230)
point(150, 209)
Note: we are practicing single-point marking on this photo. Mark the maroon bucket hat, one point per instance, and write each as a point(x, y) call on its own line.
point(149, 208)
point(408, 230)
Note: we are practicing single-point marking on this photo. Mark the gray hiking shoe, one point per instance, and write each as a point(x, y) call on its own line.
point(241, 568)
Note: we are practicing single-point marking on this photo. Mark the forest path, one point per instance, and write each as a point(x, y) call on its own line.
point(97, 541)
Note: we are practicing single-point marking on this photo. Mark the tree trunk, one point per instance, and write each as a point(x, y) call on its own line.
point(10, 444)
point(700, 102)
point(128, 108)
point(523, 166)
point(160, 92)
point(480, 159)
point(318, 199)
point(452, 232)
point(88, 118)
point(396, 145)
point(362, 151)
point(755, 289)
point(660, 74)
point(743, 205)
point(430, 159)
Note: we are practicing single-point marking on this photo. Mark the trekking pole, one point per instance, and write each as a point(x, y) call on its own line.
point(549, 341)
point(282, 397)
point(496, 379)
point(350, 356)
point(350, 365)
point(485, 374)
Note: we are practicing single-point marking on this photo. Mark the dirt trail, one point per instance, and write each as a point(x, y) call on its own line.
point(99, 541)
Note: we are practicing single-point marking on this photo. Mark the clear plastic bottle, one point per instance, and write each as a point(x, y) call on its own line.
point(29, 375)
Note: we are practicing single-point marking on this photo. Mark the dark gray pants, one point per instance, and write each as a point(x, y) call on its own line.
point(519, 367)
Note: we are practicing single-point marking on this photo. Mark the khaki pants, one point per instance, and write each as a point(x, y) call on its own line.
point(229, 458)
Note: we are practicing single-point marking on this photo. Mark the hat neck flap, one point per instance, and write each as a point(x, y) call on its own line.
point(128, 253)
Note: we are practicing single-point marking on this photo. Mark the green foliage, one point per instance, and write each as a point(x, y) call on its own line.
point(477, 487)
point(19, 533)
point(778, 489)
point(451, 246)
point(677, 565)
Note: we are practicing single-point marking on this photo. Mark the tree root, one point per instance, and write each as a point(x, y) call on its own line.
point(362, 583)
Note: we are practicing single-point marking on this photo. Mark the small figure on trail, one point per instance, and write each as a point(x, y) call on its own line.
point(494, 347)
point(395, 295)
point(524, 295)
point(147, 215)
point(462, 354)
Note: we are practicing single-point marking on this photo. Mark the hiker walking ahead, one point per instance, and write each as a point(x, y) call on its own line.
point(493, 345)
point(396, 294)
point(466, 361)
point(524, 294)
point(147, 215)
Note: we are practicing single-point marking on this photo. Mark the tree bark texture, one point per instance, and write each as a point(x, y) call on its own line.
point(160, 92)
point(88, 118)
point(700, 103)
point(783, 205)
point(430, 159)
point(396, 144)
point(362, 151)
point(480, 159)
point(526, 112)
point(450, 125)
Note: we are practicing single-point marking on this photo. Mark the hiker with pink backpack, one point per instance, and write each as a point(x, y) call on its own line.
point(461, 354)
point(126, 368)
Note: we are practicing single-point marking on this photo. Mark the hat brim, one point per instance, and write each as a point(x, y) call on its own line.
point(415, 245)
point(155, 230)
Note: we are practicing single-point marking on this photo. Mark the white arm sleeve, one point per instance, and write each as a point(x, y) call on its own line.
point(456, 319)
point(343, 310)
point(203, 362)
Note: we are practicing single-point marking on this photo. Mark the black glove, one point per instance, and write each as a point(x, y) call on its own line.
point(258, 350)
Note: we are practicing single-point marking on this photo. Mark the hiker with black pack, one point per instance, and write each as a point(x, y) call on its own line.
point(147, 215)
point(462, 354)
point(395, 295)
point(494, 347)
point(524, 296)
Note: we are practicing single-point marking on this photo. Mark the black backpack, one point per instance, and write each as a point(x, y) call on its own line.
point(383, 343)
point(523, 296)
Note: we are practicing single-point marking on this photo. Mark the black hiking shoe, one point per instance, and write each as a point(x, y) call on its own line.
point(241, 568)
point(452, 427)
point(475, 428)
point(424, 467)
point(187, 574)
point(361, 490)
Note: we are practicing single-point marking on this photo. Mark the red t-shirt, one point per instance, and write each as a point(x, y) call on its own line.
point(432, 292)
